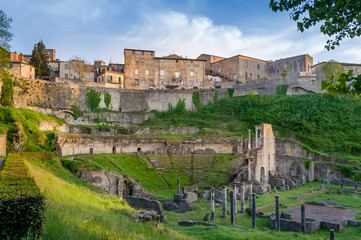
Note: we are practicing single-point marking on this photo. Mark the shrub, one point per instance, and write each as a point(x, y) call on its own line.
point(92, 99)
point(196, 98)
point(215, 97)
point(77, 112)
point(307, 164)
point(107, 99)
point(281, 90)
point(72, 165)
point(7, 90)
point(180, 108)
point(22, 207)
point(230, 92)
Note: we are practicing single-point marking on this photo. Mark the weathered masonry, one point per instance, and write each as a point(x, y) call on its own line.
point(145, 71)
point(71, 144)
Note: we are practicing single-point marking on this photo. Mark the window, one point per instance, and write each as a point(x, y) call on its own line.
point(142, 59)
point(147, 72)
point(162, 82)
point(137, 59)
point(245, 64)
point(133, 52)
point(66, 66)
point(151, 83)
point(110, 78)
point(313, 82)
point(177, 74)
point(192, 83)
point(246, 75)
point(357, 70)
point(258, 76)
point(219, 69)
point(66, 75)
point(151, 53)
point(142, 52)
point(162, 72)
point(136, 71)
point(136, 81)
point(257, 66)
point(102, 79)
point(120, 80)
point(235, 76)
point(182, 82)
point(191, 73)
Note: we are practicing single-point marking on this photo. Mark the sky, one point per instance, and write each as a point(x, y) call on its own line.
point(101, 29)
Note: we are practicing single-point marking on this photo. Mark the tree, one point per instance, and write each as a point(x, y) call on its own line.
point(39, 60)
point(340, 18)
point(332, 68)
point(107, 99)
point(5, 35)
point(80, 67)
point(92, 99)
point(344, 83)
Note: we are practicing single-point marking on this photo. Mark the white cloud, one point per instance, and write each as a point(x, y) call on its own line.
point(172, 31)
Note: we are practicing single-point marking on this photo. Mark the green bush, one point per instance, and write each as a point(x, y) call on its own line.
point(196, 98)
point(107, 99)
point(22, 207)
point(230, 92)
point(77, 112)
point(281, 90)
point(215, 97)
point(92, 99)
point(72, 165)
point(7, 90)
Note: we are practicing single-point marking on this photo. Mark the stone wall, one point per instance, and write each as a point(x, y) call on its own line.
point(71, 144)
point(3, 145)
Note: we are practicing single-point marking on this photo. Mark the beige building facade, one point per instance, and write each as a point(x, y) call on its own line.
point(111, 77)
point(145, 71)
point(75, 69)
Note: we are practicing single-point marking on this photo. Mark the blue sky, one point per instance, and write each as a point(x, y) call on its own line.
point(101, 29)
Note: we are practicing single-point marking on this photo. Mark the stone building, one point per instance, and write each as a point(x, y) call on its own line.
point(76, 69)
point(145, 71)
point(111, 77)
point(295, 66)
point(20, 66)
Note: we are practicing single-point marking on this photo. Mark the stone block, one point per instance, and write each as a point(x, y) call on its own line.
point(337, 226)
point(170, 205)
point(218, 196)
point(143, 203)
point(184, 206)
point(189, 223)
point(354, 223)
point(206, 194)
point(190, 197)
point(177, 198)
point(190, 188)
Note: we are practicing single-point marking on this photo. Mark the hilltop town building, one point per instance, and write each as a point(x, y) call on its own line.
point(112, 77)
point(145, 71)
point(76, 69)
point(317, 69)
point(19, 65)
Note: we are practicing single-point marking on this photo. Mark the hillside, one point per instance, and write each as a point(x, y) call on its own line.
point(321, 122)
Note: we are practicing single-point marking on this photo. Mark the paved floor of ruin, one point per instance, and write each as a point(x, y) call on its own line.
point(323, 213)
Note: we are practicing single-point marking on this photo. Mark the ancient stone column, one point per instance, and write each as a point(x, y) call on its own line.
point(328, 178)
point(253, 210)
point(322, 186)
point(249, 139)
point(303, 218)
point(355, 188)
point(278, 221)
point(249, 170)
point(178, 186)
point(341, 186)
point(213, 217)
point(224, 204)
point(250, 197)
point(235, 198)
point(332, 234)
point(232, 208)
point(242, 198)
point(311, 189)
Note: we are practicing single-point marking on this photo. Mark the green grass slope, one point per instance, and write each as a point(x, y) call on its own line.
point(328, 124)
point(22, 127)
point(75, 210)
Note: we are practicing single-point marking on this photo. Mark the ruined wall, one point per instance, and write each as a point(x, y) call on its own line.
point(265, 163)
point(3, 145)
point(71, 144)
